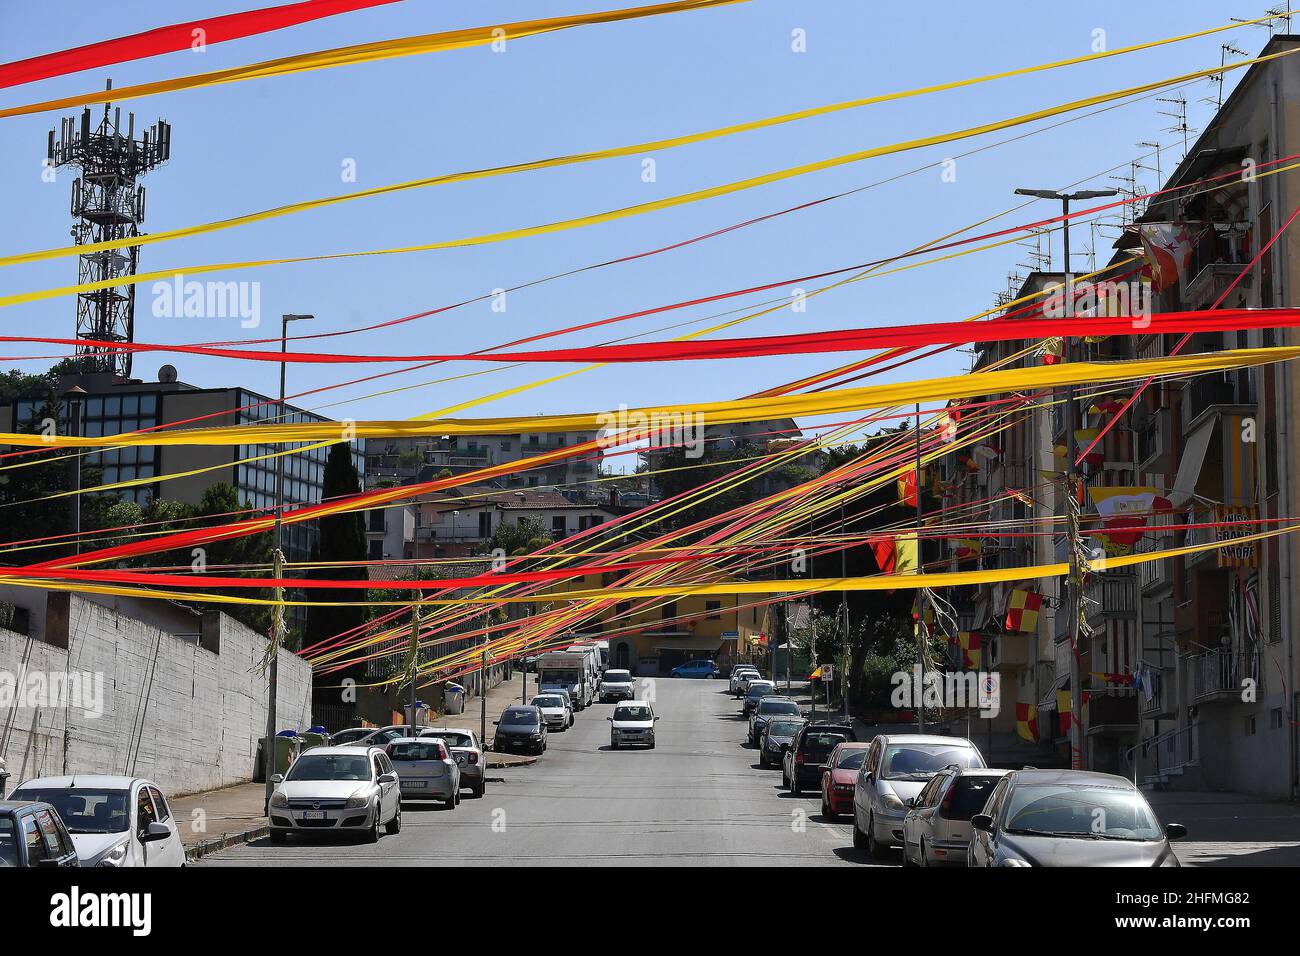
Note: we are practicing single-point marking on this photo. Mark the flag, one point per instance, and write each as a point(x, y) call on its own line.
point(1021, 496)
point(1103, 677)
point(1052, 350)
point(967, 549)
point(970, 645)
point(967, 462)
point(1168, 247)
point(947, 424)
point(896, 554)
point(1123, 507)
point(817, 674)
point(907, 488)
point(1063, 714)
point(1082, 439)
point(1027, 721)
point(1022, 610)
point(987, 452)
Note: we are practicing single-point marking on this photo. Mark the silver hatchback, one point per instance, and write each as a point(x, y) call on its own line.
point(937, 828)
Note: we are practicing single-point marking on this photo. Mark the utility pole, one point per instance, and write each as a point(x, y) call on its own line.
point(415, 659)
point(922, 632)
point(482, 696)
point(277, 615)
point(74, 428)
point(1074, 581)
point(844, 601)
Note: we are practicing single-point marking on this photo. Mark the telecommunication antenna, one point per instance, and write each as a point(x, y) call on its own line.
point(1039, 261)
point(1180, 114)
point(1225, 51)
point(108, 205)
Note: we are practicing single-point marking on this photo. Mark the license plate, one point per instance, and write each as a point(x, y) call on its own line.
point(414, 783)
point(313, 814)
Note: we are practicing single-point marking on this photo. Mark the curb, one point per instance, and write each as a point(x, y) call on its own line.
point(499, 764)
point(197, 851)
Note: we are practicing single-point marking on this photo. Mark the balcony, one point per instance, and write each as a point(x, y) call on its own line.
point(1154, 442)
point(1194, 537)
point(1217, 393)
point(1210, 282)
point(1217, 675)
point(1162, 702)
point(1155, 577)
point(1113, 712)
point(1111, 594)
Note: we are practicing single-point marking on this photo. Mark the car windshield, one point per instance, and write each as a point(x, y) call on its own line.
point(548, 701)
point(618, 677)
point(850, 759)
point(778, 707)
point(818, 745)
point(84, 810)
point(312, 766)
point(413, 750)
point(519, 718)
point(759, 688)
point(784, 728)
point(923, 761)
point(631, 713)
point(1098, 813)
point(969, 794)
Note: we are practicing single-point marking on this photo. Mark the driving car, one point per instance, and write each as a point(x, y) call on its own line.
point(115, 821)
point(738, 673)
point(757, 690)
point(563, 692)
point(617, 685)
point(468, 754)
point(31, 834)
point(801, 766)
point(767, 708)
point(1069, 818)
point(522, 728)
point(778, 734)
point(897, 767)
point(426, 770)
point(839, 775)
point(334, 789)
point(555, 711)
point(937, 830)
point(699, 669)
point(632, 723)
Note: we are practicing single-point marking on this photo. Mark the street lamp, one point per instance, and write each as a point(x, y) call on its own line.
point(277, 615)
point(1073, 581)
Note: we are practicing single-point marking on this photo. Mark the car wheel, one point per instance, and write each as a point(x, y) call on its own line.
point(762, 760)
point(613, 745)
point(395, 825)
point(826, 808)
point(873, 845)
point(480, 789)
point(923, 858)
point(907, 859)
point(278, 836)
point(372, 835)
point(859, 838)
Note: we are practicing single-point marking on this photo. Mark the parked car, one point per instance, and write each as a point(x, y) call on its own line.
point(937, 827)
point(699, 669)
point(617, 685)
point(801, 767)
point(426, 770)
point(31, 834)
point(336, 789)
point(768, 708)
point(351, 736)
point(520, 728)
point(468, 753)
point(378, 736)
point(897, 767)
point(555, 711)
point(114, 821)
point(1069, 818)
point(563, 692)
point(757, 690)
point(632, 723)
point(739, 678)
point(778, 734)
point(839, 776)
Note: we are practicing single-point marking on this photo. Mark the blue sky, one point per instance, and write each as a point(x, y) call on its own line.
point(246, 146)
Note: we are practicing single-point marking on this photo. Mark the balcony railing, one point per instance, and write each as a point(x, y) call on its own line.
point(1111, 594)
point(1161, 701)
point(1219, 674)
point(1154, 575)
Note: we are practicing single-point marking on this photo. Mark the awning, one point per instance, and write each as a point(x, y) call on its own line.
point(1048, 700)
point(691, 644)
point(1193, 459)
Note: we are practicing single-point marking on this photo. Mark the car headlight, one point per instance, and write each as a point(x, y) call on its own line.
point(278, 799)
point(357, 801)
point(1013, 861)
point(115, 856)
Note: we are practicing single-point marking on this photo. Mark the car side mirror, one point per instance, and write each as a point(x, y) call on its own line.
point(155, 831)
point(386, 778)
point(496, 723)
point(277, 778)
point(982, 822)
point(910, 802)
point(656, 716)
point(610, 719)
point(1175, 831)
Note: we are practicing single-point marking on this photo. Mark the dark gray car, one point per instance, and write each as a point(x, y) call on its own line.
point(521, 729)
point(778, 734)
point(1069, 818)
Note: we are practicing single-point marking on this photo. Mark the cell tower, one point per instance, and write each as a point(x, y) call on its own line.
point(108, 205)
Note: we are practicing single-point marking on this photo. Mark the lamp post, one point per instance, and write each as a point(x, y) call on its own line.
point(75, 396)
point(1074, 580)
point(277, 614)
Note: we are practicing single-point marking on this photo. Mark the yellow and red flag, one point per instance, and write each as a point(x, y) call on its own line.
point(1027, 721)
point(1022, 610)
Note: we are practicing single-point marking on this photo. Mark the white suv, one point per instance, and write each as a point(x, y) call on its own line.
point(617, 685)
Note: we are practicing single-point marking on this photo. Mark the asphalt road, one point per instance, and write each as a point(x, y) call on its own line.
point(698, 798)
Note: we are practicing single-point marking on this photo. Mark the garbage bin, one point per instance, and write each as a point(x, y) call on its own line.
point(287, 749)
point(418, 719)
point(453, 696)
point(313, 738)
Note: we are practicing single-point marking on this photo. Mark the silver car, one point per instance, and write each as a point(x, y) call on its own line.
point(937, 828)
point(897, 768)
point(1069, 818)
point(555, 710)
point(632, 723)
point(740, 676)
point(426, 770)
point(468, 754)
point(337, 790)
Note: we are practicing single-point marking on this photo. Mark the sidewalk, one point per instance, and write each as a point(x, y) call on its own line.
point(216, 819)
point(1231, 829)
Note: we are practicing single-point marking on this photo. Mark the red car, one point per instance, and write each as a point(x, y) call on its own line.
point(839, 777)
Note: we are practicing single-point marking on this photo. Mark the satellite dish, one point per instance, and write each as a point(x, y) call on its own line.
point(167, 374)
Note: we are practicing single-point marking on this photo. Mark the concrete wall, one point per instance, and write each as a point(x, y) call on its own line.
point(183, 702)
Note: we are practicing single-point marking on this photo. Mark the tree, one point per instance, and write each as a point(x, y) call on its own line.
point(343, 547)
point(524, 537)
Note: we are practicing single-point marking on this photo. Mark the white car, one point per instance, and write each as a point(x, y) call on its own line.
point(617, 685)
point(468, 754)
point(633, 722)
point(337, 790)
point(740, 676)
point(114, 821)
point(555, 711)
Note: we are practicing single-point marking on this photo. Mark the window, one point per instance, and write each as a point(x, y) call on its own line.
point(144, 812)
point(32, 837)
point(557, 526)
point(164, 812)
point(485, 524)
point(377, 550)
point(1250, 726)
point(1275, 721)
point(713, 607)
point(670, 610)
point(57, 841)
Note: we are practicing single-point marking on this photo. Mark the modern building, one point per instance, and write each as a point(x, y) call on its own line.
point(463, 523)
point(407, 460)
